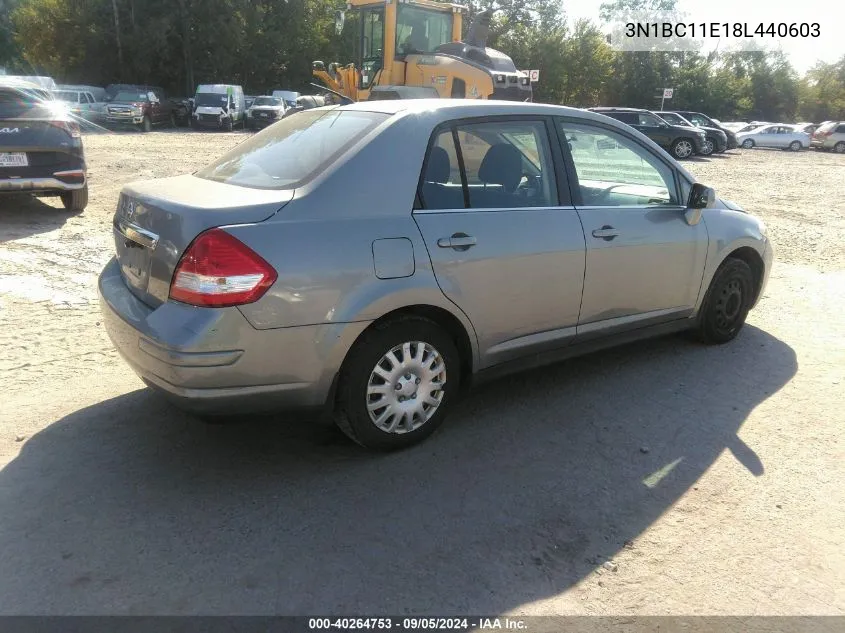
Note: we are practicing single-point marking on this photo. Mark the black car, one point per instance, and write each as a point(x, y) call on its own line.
point(679, 141)
point(717, 140)
point(40, 146)
point(702, 120)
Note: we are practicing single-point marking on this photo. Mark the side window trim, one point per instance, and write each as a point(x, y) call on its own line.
point(573, 174)
point(459, 155)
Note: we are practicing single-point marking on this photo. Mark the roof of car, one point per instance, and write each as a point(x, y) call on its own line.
point(466, 107)
point(615, 109)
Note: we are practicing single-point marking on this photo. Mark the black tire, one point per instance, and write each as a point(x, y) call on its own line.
point(351, 413)
point(172, 120)
point(227, 125)
point(682, 148)
point(839, 148)
point(75, 200)
point(748, 143)
point(726, 304)
point(796, 146)
point(146, 124)
point(708, 147)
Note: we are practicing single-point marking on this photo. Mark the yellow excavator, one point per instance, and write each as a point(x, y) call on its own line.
point(407, 49)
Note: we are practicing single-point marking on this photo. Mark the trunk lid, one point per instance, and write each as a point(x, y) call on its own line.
point(156, 220)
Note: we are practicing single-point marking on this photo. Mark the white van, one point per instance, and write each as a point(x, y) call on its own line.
point(219, 105)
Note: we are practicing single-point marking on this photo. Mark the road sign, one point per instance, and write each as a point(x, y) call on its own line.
point(534, 75)
point(667, 93)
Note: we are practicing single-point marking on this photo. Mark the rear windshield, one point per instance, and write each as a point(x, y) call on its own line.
point(15, 102)
point(292, 151)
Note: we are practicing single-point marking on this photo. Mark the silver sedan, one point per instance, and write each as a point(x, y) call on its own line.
point(370, 260)
point(780, 136)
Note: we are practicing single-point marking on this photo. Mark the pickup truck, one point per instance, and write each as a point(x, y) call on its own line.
point(144, 107)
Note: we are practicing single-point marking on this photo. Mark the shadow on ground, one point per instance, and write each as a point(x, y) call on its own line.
point(22, 215)
point(131, 507)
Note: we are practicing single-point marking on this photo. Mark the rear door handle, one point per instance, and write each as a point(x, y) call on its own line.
point(606, 232)
point(458, 241)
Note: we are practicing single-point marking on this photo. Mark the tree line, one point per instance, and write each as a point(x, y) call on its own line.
point(266, 44)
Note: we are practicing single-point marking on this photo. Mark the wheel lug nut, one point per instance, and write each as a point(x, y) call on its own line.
point(398, 386)
point(414, 397)
point(401, 398)
point(417, 381)
point(407, 376)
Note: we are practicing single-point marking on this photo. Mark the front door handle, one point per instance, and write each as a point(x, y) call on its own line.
point(606, 233)
point(458, 241)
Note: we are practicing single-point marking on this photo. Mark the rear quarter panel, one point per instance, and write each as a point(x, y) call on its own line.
point(321, 243)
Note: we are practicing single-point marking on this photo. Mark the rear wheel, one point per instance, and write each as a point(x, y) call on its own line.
point(726, 304)
point(707, 147)
point(748, 143)
point(839, 148)
point(75, 200)
point(682, 148)
point(397, 384)
point(795, 146)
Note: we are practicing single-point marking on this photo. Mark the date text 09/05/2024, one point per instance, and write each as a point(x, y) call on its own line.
point(721, 29)
point(416, 624)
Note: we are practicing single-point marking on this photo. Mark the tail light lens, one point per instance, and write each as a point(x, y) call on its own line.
point(71, 127)
point(218, 270)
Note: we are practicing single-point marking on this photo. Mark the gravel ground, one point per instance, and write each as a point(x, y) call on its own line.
point(660, 478)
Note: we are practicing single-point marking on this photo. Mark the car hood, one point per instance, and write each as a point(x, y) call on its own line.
point(687, 129)
point(134, 104)
point(267, 108)
point(713, 130)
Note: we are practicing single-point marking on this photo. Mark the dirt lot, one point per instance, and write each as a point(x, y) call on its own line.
point(661, 478)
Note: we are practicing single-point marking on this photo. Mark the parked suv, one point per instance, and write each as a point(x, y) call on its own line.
point(715, 141)
point(680, 141)
point(830, 136)
point(702, 120)
point(141, 107)
point(264, 111)
point(40, 146)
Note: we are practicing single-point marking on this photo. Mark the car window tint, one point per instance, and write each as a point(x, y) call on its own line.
point(507, 164)
point(698, 120)
point(840, 129)
point(441, 186)
point(614, 170)
point(294, 150)
point(647, 120)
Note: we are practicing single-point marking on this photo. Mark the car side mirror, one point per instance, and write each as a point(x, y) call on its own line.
point(701, 197)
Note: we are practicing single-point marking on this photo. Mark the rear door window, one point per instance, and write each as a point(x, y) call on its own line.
point(506, 164)
point(293, 151)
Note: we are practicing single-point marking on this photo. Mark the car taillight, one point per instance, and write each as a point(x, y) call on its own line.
point(218, 270)
point(71, 127)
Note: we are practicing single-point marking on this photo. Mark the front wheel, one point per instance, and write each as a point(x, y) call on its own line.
point(726, 304)
point(227, 125)
point(707, 147)
point(397, 384)
point(75, 200)
point(748, 143)
point(839, 148)
point(795, 146)
point(682, 148)
point(146, 124)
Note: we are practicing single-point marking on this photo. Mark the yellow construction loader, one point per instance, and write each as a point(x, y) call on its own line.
point(406, 49)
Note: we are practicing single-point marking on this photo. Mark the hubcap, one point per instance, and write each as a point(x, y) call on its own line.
point(406, 387)
point(840, 148)
point(748, 144)
point(729, 305)
point(683, 149)
point(708, 147)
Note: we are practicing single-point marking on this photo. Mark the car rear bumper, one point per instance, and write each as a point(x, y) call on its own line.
point(211, 360)
point(34, 185)
point(820, 144)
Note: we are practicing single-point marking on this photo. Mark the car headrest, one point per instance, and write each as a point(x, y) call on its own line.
point(439, 166)
point(502, 165)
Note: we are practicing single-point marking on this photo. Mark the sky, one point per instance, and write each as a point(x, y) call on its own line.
point(802, 52)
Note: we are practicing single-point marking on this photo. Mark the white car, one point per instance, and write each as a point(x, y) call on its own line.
point(782, 136)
